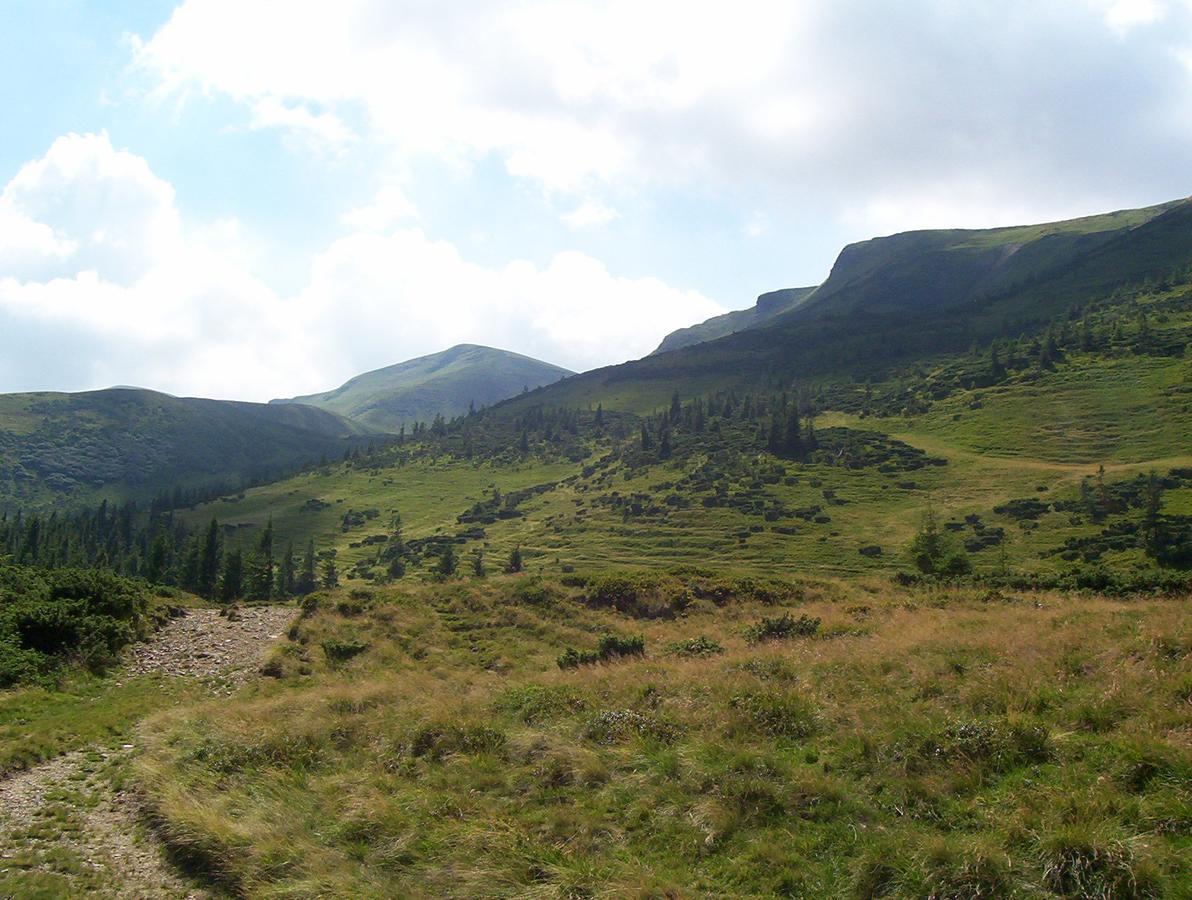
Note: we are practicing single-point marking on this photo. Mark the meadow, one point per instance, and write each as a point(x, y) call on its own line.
point(765, 738)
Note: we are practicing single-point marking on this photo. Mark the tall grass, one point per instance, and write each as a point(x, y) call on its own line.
point(933, 745)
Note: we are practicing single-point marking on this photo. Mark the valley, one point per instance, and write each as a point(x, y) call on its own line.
point(880, 590)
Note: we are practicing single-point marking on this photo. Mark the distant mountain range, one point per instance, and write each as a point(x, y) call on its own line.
point(906, 297)
point(887, 302)
point(769, 306)
point(445, 384)
point(129, 442)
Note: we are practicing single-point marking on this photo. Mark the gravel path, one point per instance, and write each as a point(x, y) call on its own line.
point(206, 644)
point(67, 829)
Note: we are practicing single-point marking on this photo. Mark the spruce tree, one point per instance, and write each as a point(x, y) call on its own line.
point(286, 575)
point(231, 582)
point(448, 562)
point(330, 573)
point(515, 560)
point(306, 579)
point(261, 580)
point(208, 574)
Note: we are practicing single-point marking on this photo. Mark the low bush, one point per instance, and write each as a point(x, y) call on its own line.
point(642, 595)
point(338, 650)
point(610, 647)
point(696, 646)
point(616, 725)
point(436, 740)
point(51, 618)
point(774, 715)
point(784, 626)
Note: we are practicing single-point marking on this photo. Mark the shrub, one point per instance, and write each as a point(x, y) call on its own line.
point(436, 740)
point(533, 592)
point(776, 715)
point(696, 646)
point(49, 618)
point(615, 725)
point(338, 650)
point(783, 626)
point(1079, 864)
point(935, 553)
point(641, 595)
point(610, 647)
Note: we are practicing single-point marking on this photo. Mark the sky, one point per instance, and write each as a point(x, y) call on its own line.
point(250, 199)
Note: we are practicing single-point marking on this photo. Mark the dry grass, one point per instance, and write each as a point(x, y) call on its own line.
point(935, 742)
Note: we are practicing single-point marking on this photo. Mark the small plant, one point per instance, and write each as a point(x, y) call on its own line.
point(434, 741)
point(784, 626)
point(935, 552)
point(696, 646)
point(533, 592)
point(610, 647)
point(615, 725)
point(338, 650)
point(776, 715)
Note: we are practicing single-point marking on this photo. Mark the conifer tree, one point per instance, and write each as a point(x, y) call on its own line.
point(306, 578)
point(330, 577)
point(231, 582)
point(286, 575)
point(208, 574)
point(261, 578)
point(448, 562)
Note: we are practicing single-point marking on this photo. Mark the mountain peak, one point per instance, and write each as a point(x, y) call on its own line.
point(446, 383)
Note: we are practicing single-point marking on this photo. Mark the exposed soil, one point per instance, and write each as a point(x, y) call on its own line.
point(206, 644)
point(67, 827)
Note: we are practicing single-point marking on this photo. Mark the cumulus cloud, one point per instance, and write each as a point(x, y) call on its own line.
point(824, 104)
point(589, 213)
point(105, 265)
point(389, 208)
point(85, 205)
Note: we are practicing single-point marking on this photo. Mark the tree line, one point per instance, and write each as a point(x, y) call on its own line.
point(162, 549)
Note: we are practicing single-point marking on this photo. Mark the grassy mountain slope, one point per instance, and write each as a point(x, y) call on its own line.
point(768, 306)
point(971, 452)
point(134, 443)
point(911, 297)
point(806, 739)
point(445, 384)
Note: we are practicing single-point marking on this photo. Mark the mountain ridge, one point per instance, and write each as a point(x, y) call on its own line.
point(446, 383)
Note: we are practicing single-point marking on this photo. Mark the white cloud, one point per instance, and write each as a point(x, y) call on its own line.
point(821, 104)
point(389, 208)
point(1124, 15)
point(86, 205)
point(390, 297)
point(183, 311)
point(590, 212)
point(325, 131)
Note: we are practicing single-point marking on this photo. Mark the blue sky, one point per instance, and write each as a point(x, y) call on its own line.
point(252, 199)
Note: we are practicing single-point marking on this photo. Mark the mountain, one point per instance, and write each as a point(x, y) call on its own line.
point(445, 384)
point(768, 306)
point(125, 442)
point(908, 297)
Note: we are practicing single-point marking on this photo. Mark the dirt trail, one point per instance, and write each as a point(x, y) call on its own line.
point(67, 828)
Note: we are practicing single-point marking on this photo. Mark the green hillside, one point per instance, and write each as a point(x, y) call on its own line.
point(916, 296)
point(949, 435)
point(443, 384)
point(130, 443)
point(768, 306)
point(885, 597)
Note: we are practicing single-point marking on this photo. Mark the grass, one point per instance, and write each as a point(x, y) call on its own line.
point(38, 723)
point(934, 741)
point(1035, 436)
